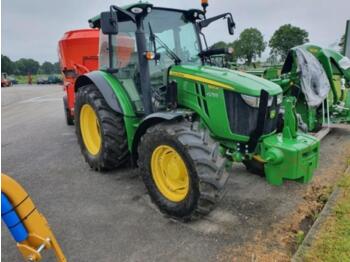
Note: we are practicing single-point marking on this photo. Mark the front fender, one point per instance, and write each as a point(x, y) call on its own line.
point(152, 120)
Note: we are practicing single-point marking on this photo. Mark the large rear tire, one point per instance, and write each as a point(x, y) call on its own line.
point(182, 169)
point(100, 131)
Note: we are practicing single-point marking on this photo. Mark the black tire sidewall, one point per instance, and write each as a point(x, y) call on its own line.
point(84, 98)
point(114, 150)
point(176, 209)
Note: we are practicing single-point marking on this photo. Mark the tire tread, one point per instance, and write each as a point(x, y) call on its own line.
point(206, 159)
point(114, 151)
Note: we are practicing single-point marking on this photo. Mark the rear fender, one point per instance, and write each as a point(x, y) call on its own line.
point(111, 89)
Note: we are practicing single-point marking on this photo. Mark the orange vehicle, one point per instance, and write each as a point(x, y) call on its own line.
point(78, 54)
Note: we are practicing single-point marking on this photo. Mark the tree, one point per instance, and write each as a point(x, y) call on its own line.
point(7, 66)
point(250, 45)
point(47, 68)
point(287, 37)
point(26, 66)
point(56, 68)
point(272, 59)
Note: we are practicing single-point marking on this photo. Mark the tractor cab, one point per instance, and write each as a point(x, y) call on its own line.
point(148, 42)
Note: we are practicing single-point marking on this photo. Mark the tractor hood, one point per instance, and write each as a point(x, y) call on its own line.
point(226, 78)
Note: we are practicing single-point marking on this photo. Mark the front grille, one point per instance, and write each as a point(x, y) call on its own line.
point(244, 118)
point(201, 97)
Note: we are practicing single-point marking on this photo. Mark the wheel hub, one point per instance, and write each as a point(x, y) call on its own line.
point(90, 129)
point(170, 173)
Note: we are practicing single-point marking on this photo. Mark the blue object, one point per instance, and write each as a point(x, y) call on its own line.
point(11, 220)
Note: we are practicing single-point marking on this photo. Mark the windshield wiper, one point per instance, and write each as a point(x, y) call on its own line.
point(154, 38)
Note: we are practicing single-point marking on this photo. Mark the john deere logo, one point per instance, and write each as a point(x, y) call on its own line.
point(313, 50)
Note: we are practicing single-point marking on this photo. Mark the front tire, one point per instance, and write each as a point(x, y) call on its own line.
point(188, 161)
point(100, 131)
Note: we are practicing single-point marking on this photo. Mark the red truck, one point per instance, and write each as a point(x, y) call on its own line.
point(78, 54)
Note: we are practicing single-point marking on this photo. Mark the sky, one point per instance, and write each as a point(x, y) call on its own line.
point(32, 29)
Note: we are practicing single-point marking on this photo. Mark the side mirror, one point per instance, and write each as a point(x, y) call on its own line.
point(109, 23)
point(231, 25)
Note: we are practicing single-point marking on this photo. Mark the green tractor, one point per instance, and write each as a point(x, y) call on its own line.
point(319, 79)
point(158, 102)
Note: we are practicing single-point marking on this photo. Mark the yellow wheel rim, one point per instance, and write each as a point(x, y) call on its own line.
point(170, 173)
point(90, 129)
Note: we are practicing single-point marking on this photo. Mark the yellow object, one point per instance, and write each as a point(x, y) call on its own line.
point(201, 79)
point(90, 129)
point(170, 173)
point(259, 159)
point(40, 235)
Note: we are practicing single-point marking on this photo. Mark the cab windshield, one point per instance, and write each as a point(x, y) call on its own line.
point(176, 35)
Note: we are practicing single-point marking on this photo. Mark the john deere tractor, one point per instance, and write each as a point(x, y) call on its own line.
point(158, 102)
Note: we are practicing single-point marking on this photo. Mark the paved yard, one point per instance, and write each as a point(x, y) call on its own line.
point(108, 217)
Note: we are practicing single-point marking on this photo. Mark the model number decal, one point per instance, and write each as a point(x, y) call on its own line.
point(212, 94)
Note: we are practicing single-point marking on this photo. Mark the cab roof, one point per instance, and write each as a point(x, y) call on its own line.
point(94, 22)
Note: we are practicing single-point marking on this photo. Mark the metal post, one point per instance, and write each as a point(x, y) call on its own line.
point(347, 40)
point(110, 51)
point(323, 114)
point(145, 79)
point(328, 117)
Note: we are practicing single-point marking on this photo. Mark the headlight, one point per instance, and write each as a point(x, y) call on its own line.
point(252, 101)
point(279, 98)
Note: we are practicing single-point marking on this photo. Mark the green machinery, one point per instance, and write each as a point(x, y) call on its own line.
point(158, 102)
point(335, 105)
